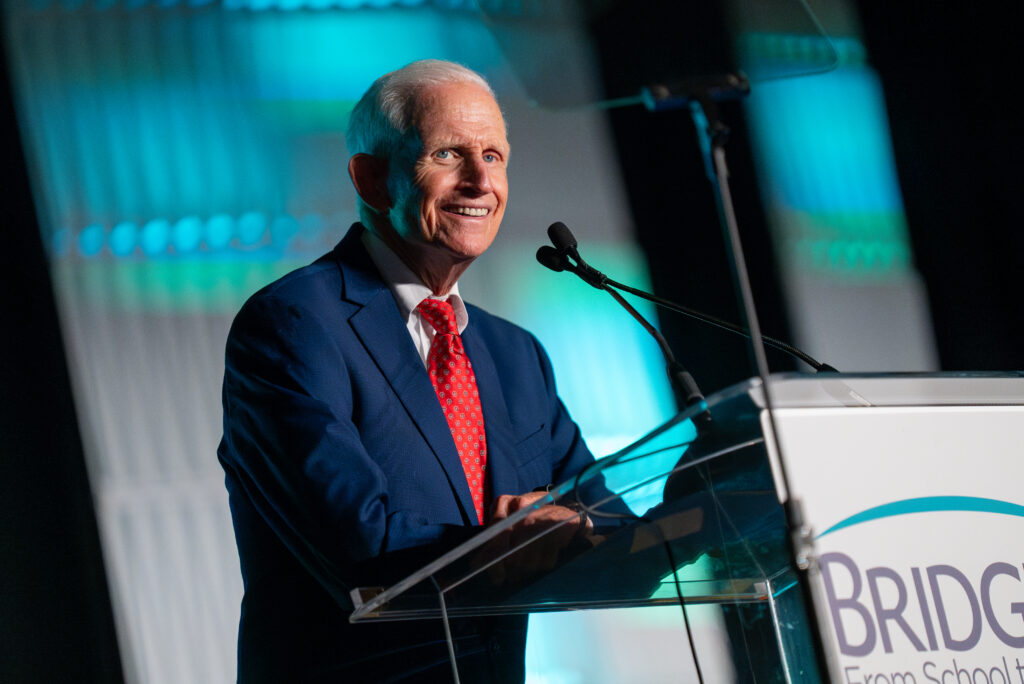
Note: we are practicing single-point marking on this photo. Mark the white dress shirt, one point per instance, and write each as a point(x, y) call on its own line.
point(409, 291)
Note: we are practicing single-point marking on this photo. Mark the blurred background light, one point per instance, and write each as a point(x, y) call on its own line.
point(219, 230)
point(123, 238)
point(92, 239)
point(186, 234)
point(156, 236)
point(251, 228)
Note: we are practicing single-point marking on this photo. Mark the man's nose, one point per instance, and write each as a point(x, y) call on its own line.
point(476, 174)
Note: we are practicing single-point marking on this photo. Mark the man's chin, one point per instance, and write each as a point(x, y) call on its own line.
point(469, 252)
point(467, 242)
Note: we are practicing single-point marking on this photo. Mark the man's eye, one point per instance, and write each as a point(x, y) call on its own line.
point(490, 157)
point(443, 154)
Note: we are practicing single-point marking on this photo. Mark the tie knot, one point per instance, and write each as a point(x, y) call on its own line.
point(440, 315)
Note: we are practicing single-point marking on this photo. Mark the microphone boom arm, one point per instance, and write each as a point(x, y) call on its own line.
point(725, 325)
point(677, 372)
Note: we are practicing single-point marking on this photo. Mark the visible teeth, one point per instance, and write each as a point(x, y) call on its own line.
point(469, 211)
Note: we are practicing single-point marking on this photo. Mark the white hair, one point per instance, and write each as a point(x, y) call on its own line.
point(383, 116)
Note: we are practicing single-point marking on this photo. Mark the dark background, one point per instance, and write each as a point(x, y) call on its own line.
point(949, 74)
point(56, 623)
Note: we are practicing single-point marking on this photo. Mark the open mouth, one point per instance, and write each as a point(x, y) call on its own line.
point(468, 211)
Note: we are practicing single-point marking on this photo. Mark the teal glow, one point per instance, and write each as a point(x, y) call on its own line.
point(251, 227)
point(311, 227)
point(91, 240)
point(283, 230)
point(179, 286)
point(826, 163)
point(156, 237)
point(186, 234)
point(929, 504)
point(641, 476)
point(219, 230)
point(62, 242)
point(787, 55)
point(828, 142)
point(123, 238)
point(312, 56)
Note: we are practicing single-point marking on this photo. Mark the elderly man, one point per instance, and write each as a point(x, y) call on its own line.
point(372, 419)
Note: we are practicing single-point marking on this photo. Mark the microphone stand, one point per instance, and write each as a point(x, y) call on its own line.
point(712, 135)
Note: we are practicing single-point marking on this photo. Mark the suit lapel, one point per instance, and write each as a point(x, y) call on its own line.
point(383, 333)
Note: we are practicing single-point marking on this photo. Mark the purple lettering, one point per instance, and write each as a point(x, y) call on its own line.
point(959, 670)
point(934, 572)
point(894, 614)
point(926, 614)
point(986, 603)
point(837, 605)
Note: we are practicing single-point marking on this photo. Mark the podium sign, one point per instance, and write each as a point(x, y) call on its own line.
point(914, 492)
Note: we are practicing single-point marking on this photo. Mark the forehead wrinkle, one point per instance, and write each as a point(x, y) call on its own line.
point(459, 142)
point(471, 120)
point(460, 131)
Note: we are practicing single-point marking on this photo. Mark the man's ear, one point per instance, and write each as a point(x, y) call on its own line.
point(369, 175)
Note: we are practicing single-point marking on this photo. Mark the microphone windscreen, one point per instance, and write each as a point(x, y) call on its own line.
point(550, 257)
point(561, 237)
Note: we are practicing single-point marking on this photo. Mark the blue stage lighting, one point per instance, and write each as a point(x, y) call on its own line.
point(251, 227)
point(310, 228)
point(61, 242)
point(123, 238)
point(91, 240)
point(283, 230)
point(219, 230)
point(186, 233)
point(155, 236)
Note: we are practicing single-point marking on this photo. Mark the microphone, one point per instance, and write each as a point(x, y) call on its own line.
point(566, 247)
point(563, 239)
point(569, 258)
point(549, 256)
point(564, 257)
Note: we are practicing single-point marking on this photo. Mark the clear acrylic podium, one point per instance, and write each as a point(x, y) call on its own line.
point(689, 514)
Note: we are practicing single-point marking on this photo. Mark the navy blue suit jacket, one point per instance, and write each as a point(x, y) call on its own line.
point(340, 465)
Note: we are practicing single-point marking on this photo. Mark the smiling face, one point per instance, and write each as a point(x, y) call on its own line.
point(449, 186)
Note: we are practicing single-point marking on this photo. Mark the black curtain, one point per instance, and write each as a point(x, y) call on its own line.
point(951, 75)
point(55, 609)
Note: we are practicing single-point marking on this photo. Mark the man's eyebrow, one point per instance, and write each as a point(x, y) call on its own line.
point(456, 142)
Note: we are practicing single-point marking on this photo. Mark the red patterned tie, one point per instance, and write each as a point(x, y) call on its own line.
point(455, 384)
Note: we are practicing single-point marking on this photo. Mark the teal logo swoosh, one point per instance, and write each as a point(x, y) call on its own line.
point(929, 504)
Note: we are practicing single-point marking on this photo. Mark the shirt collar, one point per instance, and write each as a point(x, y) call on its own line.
point(405, 285)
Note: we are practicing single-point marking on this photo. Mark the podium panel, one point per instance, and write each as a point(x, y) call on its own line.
point(915, 501)
point(692, 514)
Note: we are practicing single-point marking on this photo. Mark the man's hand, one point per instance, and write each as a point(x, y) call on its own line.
point(545, 532)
